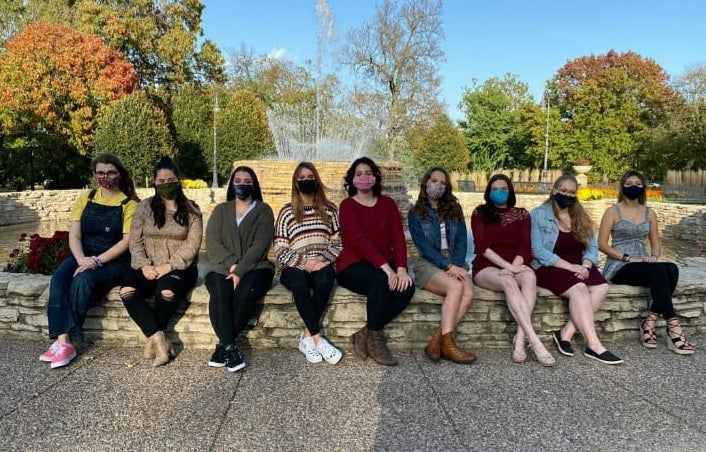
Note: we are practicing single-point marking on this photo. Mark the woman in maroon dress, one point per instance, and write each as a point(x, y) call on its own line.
point(501, 233)
point(565, 252)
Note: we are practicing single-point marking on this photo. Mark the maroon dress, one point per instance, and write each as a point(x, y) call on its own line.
point(558, 280)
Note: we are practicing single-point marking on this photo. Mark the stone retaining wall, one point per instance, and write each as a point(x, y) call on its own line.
point(23, 301)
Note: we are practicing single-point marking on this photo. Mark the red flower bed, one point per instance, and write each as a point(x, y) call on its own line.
point(36, 254)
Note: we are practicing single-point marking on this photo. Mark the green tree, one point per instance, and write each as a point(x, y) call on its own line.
point(243, 131)
point(495, 132)
point(680, 142)
point(398, 55)
point(192, 122)
point(443, 144)
point(136, 131)
point(611, 103)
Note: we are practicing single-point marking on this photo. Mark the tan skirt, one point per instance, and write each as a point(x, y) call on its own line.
point(425, 270)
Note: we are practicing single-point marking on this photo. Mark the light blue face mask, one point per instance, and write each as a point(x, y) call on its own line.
point(499, 197)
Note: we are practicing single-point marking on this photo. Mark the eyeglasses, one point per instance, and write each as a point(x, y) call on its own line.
point(106, 173)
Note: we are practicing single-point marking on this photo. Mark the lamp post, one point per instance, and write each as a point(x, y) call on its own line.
point(546, 139)
point(214, 182)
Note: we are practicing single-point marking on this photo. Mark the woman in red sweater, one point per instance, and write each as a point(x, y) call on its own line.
point(374, 257)
point(501, 233)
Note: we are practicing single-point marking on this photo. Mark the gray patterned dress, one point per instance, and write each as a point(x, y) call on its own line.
point(628, 238)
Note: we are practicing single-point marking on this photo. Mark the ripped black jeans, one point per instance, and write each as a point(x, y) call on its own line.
point(152, 319)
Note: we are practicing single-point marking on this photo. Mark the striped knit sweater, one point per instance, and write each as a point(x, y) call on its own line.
point(295, 242)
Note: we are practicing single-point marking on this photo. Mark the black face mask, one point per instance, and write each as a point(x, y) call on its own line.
point(243, 191)
point(633, 191)
point(564, 201)
point(307, 186)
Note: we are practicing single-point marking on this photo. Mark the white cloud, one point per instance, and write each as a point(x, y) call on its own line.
point(278, 54)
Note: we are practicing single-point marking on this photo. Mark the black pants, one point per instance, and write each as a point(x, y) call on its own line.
point(383, 304)
point(310, 306)
point(230, 309)
point(660, 277)
point(155, 318)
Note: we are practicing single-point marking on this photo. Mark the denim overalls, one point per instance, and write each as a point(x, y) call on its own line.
point(69, 295)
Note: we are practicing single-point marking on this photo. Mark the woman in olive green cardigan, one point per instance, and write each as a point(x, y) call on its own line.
point(238, 236)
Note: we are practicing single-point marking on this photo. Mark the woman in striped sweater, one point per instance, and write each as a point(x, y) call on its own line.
point(307, 243)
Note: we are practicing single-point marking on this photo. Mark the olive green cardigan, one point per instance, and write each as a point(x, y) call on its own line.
point(245, 245)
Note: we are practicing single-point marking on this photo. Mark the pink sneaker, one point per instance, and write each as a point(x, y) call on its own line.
point(64, 355)
point(49, 354)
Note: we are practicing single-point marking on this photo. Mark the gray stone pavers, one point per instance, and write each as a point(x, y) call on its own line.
point(111, 399)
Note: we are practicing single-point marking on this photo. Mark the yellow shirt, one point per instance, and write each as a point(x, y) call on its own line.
point(128, 208)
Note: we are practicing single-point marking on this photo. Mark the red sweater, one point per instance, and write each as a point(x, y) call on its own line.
point(371, 234)
point(510, 237)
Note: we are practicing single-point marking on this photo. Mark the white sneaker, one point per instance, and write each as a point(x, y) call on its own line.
point(331, 354)
point(307, 346)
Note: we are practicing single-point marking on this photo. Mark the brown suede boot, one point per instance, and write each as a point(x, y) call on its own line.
point(433, 348)
point(161, 349)
point(360, 342)
point(377, 348)
point(149, 349)
point(450, 351)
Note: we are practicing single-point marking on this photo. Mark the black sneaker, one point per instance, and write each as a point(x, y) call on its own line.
point(218, 359)
point(234, 362)
point(606, 357)
point(563, 346)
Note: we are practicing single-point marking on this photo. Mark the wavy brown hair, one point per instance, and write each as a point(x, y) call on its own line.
point(321, 202)
point(449, 208)
point(581, 223)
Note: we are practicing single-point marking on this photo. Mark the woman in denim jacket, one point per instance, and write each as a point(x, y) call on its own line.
point(565, 251)
point(439, 232)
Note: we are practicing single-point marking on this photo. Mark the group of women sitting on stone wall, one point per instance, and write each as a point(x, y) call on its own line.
point(361, 245)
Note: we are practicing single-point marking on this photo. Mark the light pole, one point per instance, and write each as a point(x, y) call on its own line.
point(214, 182)
point(546, 139)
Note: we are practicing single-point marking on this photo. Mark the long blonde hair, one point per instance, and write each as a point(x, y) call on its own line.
point(581, 224)
point(321, 203)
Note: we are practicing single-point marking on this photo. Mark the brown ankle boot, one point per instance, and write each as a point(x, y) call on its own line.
point(161, 349)
point(433, 348)
point(149, 349)
point(360, 342)
point(450, 351)
point(377, 348)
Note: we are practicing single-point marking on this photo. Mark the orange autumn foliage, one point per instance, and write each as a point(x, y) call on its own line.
point(54, 80)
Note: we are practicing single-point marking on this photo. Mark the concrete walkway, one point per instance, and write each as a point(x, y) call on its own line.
point(110, 399)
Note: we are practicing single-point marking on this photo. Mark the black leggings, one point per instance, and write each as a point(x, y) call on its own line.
point(230, 309)
point(310, 306)
point(383, 304)
point(154, 319)
point(660, 277)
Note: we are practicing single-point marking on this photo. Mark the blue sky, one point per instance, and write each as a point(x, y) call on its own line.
point(483, 39)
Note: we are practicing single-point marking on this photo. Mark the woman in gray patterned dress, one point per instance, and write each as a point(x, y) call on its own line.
point(629, 223)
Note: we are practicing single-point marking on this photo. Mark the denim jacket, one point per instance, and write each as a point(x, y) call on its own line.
point(426, 235)
point(545, 232)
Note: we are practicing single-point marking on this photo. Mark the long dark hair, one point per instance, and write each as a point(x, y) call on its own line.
point(321, 202)
point(184, 206)
point(350, 174)
point(643, 197)
point(256, 192)
point(125, 183)
point(488, 212)
point(448, 205)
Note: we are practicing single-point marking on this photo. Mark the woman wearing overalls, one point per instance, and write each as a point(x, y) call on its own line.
point(98, 239)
